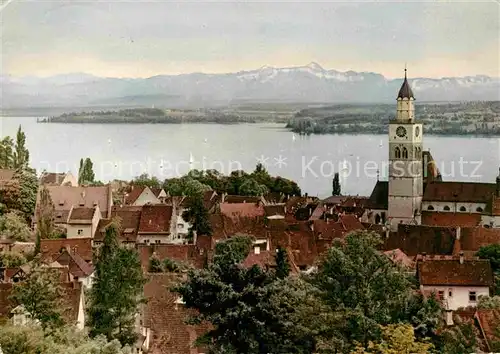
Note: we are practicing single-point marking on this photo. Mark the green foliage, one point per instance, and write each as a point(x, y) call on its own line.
point(40, 294)
point(21, 154)
point(282, 265)
point(7, 153)
point(45, 215)
point(361, 285)
point(13, 227)
point(154, 265)
point(197, 215)
point(116, 291)
point(492, 253)
point(146, 181)
point(459, 339)
point(170, 265)
point(249, 310)
point(12, 259)
point(336, 188)
point(33, 340)
point(396, 339)
point(86, 174)
point(28, 188)
point(259, 182)
point(487, 302)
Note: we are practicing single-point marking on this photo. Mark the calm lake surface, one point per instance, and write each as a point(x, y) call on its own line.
point(167, 150)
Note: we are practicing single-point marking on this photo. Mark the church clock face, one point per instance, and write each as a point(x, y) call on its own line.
point(401, 132)
point(417, 131)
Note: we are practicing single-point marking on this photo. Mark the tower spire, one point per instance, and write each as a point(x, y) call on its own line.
point(405, 90)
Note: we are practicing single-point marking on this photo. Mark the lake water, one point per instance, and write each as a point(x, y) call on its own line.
point(125, 151)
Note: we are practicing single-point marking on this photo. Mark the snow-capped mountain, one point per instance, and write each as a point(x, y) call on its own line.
point(309, 83)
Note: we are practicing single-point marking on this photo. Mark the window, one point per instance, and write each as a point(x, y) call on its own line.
point(80, 232)
point(441, 295)
point(397, 153)
point(479, 209)
point(405, 153)
point(430, 207)
point(446, 208)
point(180, 226)
point(472, 296)
point(450, 293)
point(157, 241)
point(462, 208)
point(146, 241)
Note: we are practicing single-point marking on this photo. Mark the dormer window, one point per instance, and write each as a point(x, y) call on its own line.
point(462, 208)
point(446, 208)
point(479, 209)
point(61, 202)
point(82, 203)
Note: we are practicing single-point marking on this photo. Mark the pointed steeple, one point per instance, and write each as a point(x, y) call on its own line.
point(405, 90)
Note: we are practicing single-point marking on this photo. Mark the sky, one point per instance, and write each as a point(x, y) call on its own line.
point(146, 38)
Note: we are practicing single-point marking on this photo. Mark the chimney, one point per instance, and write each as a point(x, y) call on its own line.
point(461, 257)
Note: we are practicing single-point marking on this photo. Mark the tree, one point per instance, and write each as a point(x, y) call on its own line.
point(45, 215)
point(28, 189)
point(251, 187)
point(487, 302)
point(40, 294)
point(13, 227)
point(197, 215)
point(32, 339)
point(461, 338)
point(336, 188)
point(185, 186)
point(492, 253)
point(116, 291)
point(282, 266)
point(86, 172)
point(12, 259)
point(7, 153)
point(362, 285)
point(21, 154)
point(146, 181)
point(154, 265)
point(396, 339)
point(249, 310)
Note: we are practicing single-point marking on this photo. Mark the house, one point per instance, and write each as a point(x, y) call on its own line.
point(78, 268)
point(155, 226)
point(186, 254)
point(65, 198)
point(275, 211)
point(142, 195)
point(458, 282)
point(53, 247)
point(164, 316)
point(82, 222)
point(129, 218)
point(58, 179)
point(233, 210)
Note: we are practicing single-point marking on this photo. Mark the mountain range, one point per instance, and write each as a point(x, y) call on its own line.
point(309, 83)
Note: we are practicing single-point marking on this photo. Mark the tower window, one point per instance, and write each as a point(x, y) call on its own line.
point(479, 209)
point(397, 153)
point(446, 208)
point(462, 208)
point(430, 207)
point(405, 153)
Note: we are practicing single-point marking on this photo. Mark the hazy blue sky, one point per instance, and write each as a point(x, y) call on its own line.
point(144, 38)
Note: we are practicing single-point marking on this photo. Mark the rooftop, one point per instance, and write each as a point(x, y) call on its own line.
point(453, 272)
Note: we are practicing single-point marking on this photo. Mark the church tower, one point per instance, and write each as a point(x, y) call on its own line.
point(405, 161)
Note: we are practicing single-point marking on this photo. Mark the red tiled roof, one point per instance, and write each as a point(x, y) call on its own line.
point(459, 192)
point(6, 304)
point(415, 239)
point(264, 259)
point(52, 248)
point(52, 178)
point(318, 212)
point(135, 193)
point(489, 322)
point(129, 218)
point(437, 218)
point(79, 214)
point(183, 253)
point(451, 272)
point(275, 209)
point(65, 197)
point(399, 257)
point(237, 210)
point(167, 318)
point(155, 218)
point(77, 266)
point(229, 199)
point(473, 238)
point(334, 200)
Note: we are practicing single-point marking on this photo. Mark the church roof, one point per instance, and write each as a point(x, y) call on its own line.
point(405, 90)
point(379, 199)
point(459, 192)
